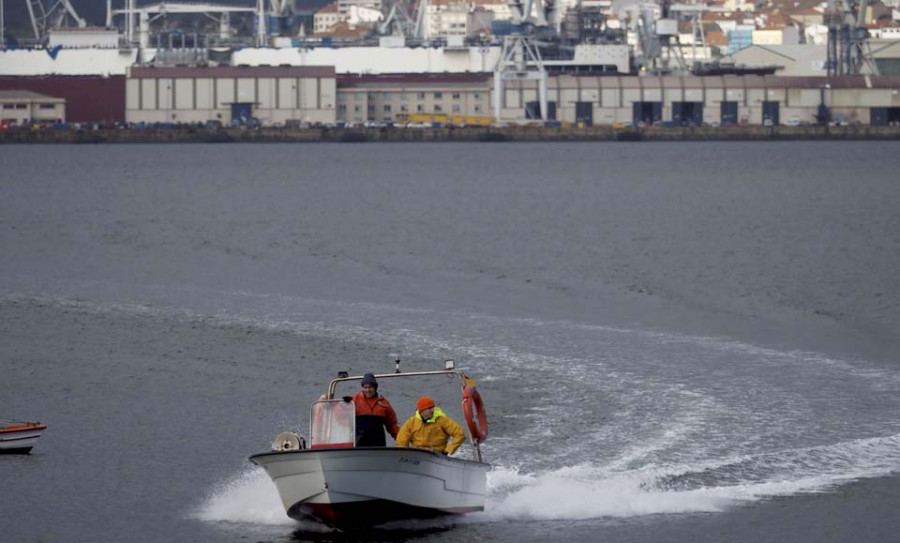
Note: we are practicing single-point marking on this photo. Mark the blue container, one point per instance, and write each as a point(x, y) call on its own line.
point(274, 25)
point(501, 28)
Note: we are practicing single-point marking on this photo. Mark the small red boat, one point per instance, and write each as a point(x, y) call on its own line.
point(19, 436)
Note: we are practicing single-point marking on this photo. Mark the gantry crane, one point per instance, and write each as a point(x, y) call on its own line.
point(520, 58)
point(848, 38)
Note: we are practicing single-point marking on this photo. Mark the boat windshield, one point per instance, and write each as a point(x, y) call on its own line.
point(332, 424)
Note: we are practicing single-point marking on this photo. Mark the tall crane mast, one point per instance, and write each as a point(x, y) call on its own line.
point(848, 38)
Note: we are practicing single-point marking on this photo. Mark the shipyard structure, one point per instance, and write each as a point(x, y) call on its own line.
point(453, 63)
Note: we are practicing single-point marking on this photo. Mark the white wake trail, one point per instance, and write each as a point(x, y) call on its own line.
point(588, 491)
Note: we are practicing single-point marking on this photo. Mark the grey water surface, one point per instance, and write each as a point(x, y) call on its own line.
point(675, 341)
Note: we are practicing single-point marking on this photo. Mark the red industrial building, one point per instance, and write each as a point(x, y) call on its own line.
point(88, 98)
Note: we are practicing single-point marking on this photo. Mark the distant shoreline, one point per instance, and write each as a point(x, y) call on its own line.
point(189, 134)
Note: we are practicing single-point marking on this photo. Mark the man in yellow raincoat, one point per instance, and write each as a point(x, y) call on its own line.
point(430, 429)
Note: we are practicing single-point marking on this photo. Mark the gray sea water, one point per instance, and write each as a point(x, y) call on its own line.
point(675, 341)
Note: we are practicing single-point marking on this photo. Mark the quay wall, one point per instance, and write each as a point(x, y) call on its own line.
point(493, 134)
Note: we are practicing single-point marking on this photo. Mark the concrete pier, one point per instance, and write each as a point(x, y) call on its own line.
point(187, 134)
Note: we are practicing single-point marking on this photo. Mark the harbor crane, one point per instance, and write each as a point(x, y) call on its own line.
point(695, 12)
point(657, 30)
point(848, 50)
point(148, 13)
point(263, 10)
point(520, 58)
point(398, 20)
point(646, 21)
point(46, 16)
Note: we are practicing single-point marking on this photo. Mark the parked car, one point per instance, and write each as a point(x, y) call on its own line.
point(839, 120)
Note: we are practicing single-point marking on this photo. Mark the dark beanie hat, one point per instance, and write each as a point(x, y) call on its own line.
point(369, 379)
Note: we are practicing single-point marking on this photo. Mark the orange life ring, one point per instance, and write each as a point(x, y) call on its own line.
point(473, 408)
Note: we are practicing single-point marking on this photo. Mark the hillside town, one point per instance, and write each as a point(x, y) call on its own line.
point(709, 29)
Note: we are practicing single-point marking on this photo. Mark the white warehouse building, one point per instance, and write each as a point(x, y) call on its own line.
point(271, 94)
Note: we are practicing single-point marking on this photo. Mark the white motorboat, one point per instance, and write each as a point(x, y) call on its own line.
point(344, 486)
point(18, 436)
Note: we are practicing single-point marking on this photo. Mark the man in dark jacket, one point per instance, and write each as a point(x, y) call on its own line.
point(374, 415)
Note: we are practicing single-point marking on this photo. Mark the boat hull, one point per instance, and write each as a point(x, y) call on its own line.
point(358, 487)
point(19, 438)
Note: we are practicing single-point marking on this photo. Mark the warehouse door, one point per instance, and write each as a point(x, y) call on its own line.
point(647, 113)
point(241, 112)
point(533, 110)
point(687, 113)
point(885, 116)
point(770, 113)
point(893, 116)
point(729, 113)
point(584, 113)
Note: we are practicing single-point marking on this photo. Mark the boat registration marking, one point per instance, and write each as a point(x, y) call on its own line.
point(405, 460)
